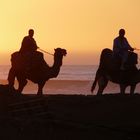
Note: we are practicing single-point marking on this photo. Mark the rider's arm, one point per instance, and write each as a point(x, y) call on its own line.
point(128, 45)
point(116, 46)
point(35, 45)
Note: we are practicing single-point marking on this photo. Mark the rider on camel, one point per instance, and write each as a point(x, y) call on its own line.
point(28, 43)
point(121, 48)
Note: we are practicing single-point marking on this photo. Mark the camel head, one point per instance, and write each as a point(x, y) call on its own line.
point(59, 51)
point(58, 56)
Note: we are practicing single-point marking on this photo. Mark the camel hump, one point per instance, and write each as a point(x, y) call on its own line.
point(27, 60)
point(109, 61)
point(36, 54)
point(106, 50)
point(106, 55)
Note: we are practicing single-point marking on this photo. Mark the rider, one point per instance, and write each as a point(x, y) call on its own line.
point(28, 46)
point(121, 48)
point(28, 43)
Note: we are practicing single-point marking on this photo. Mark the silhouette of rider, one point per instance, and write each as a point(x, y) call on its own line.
point(28, 43)
point(121, 48)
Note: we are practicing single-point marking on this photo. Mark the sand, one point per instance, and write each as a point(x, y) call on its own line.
point(69, 117)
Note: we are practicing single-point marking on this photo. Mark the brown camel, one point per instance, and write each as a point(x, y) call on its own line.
point(32, 66)
point(109, 70)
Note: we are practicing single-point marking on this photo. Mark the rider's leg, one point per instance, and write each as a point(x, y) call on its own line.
point(124, 59)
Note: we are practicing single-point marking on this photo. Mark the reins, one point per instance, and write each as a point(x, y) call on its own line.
point(45, 51)
point(137, 49)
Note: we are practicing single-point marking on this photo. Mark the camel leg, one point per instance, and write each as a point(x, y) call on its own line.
point(40, 88)
point(122, 88)
point(22, 83)
point(11, 77)
point(132, 89)
point(102, 83)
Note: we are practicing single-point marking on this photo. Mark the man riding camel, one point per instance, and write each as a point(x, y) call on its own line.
point(28, 43)
point(28, 46)
point(121, 48)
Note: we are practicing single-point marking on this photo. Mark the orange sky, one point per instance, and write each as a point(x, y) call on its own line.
point(83, 27)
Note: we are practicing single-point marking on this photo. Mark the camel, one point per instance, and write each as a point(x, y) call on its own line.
point(32, 66)
point(109, 70)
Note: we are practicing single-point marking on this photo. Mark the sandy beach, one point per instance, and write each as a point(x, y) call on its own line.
point(71, 117)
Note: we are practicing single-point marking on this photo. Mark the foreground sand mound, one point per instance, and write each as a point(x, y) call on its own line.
point(70, 117)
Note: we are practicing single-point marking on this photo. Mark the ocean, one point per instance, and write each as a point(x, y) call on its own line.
point(72, 79)
point(67, 72)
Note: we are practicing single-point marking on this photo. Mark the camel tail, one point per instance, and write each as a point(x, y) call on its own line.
point(105, 55)
point(93, 85)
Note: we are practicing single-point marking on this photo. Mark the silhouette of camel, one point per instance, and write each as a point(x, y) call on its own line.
point(34, 68)
point(109, 70)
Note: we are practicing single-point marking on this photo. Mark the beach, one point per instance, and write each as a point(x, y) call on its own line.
point(67, 110)
point(72, 117)
point(72, 79)
point(77, 44)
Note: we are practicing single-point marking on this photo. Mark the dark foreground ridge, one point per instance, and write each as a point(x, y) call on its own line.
point(69, 117)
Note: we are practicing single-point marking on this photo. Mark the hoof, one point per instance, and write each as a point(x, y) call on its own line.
point(40, 94)
point(99, 94)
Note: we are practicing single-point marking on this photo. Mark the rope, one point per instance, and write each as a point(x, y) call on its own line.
point(45, 51)
point(137, 49)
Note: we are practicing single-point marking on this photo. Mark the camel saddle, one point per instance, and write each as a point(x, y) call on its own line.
point(28, 60)
point(132, 60)
point(111, 62)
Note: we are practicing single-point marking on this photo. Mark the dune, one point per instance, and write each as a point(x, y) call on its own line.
point(69, 117)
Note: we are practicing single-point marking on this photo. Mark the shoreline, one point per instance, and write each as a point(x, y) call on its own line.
point(57, 86)
point(78, 87)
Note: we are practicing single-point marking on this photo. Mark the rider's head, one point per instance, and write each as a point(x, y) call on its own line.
point(31, 32)
point(121, 32)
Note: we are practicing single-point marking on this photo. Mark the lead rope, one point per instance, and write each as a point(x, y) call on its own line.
point(45, 51)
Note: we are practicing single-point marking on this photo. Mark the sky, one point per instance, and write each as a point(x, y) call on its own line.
point(82, 27)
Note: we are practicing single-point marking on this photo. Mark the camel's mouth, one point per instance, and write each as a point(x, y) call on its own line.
point(64, 52)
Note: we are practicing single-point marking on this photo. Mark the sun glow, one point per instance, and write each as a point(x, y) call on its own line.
point(83, 27)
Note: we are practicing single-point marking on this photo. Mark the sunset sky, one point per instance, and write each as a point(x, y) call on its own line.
point(83, 27)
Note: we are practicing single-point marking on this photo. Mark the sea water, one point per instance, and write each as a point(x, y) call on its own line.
point(67, 72)
point(72, 79)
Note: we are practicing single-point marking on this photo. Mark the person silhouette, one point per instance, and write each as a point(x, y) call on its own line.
point(28, 46)
point(121, 48)
point(28, 43)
